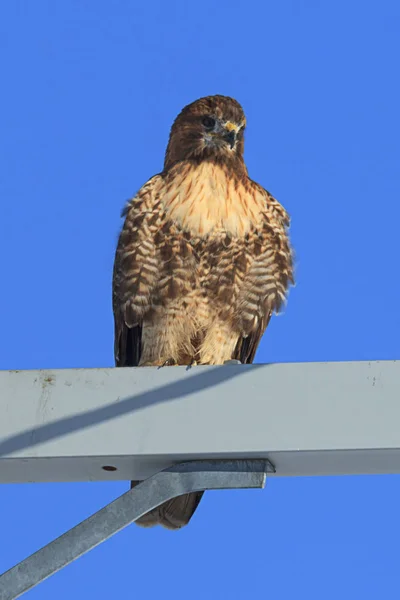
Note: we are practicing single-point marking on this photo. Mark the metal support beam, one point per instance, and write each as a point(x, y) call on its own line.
point(307, 418)
point(175, 481)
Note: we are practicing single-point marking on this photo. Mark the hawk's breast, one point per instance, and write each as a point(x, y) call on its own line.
point(207, 197)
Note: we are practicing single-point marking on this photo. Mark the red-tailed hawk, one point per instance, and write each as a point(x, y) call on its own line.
point(203, 259)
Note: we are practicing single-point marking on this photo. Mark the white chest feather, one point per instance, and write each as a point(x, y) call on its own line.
point(205, 198)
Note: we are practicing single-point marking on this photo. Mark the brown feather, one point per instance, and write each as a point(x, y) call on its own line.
point(202, 262)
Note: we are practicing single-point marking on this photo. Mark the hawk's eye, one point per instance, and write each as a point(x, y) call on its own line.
point(208, 122)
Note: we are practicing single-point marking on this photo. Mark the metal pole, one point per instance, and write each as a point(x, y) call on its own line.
point(174, 481)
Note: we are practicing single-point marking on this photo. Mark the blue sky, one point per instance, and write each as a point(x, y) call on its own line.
point(89, 91)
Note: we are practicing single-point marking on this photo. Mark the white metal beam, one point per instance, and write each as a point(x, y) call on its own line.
point(306, 418)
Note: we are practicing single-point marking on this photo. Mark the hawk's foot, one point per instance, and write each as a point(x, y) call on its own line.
point(193, 363)
point(232, 361)
point(170, 362)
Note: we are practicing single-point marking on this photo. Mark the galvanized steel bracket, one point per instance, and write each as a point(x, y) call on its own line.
point(180, 479)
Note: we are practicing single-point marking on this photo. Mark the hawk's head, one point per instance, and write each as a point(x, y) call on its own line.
point(211, 127)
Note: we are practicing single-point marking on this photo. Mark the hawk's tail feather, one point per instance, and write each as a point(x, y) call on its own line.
point(173, 514)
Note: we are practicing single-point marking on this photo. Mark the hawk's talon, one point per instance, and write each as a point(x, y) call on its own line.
point(232, 361)
point(193, 363)
point(170, 362)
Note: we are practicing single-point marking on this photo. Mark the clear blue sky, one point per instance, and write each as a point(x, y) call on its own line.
point(89, 91)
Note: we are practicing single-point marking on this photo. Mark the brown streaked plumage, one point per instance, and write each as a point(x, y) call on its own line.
point(203, 259)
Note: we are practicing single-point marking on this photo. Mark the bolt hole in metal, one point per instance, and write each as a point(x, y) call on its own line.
point(109, 468)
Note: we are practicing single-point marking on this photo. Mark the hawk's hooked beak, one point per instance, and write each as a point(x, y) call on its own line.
point(230, 133)
point(230, 137)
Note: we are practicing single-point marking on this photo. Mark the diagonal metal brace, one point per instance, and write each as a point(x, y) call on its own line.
point(177, 480)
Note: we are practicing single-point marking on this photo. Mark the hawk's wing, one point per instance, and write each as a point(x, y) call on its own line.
point(246, 347)
point(127, 344)
point(277, 222)
point(135, 273)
